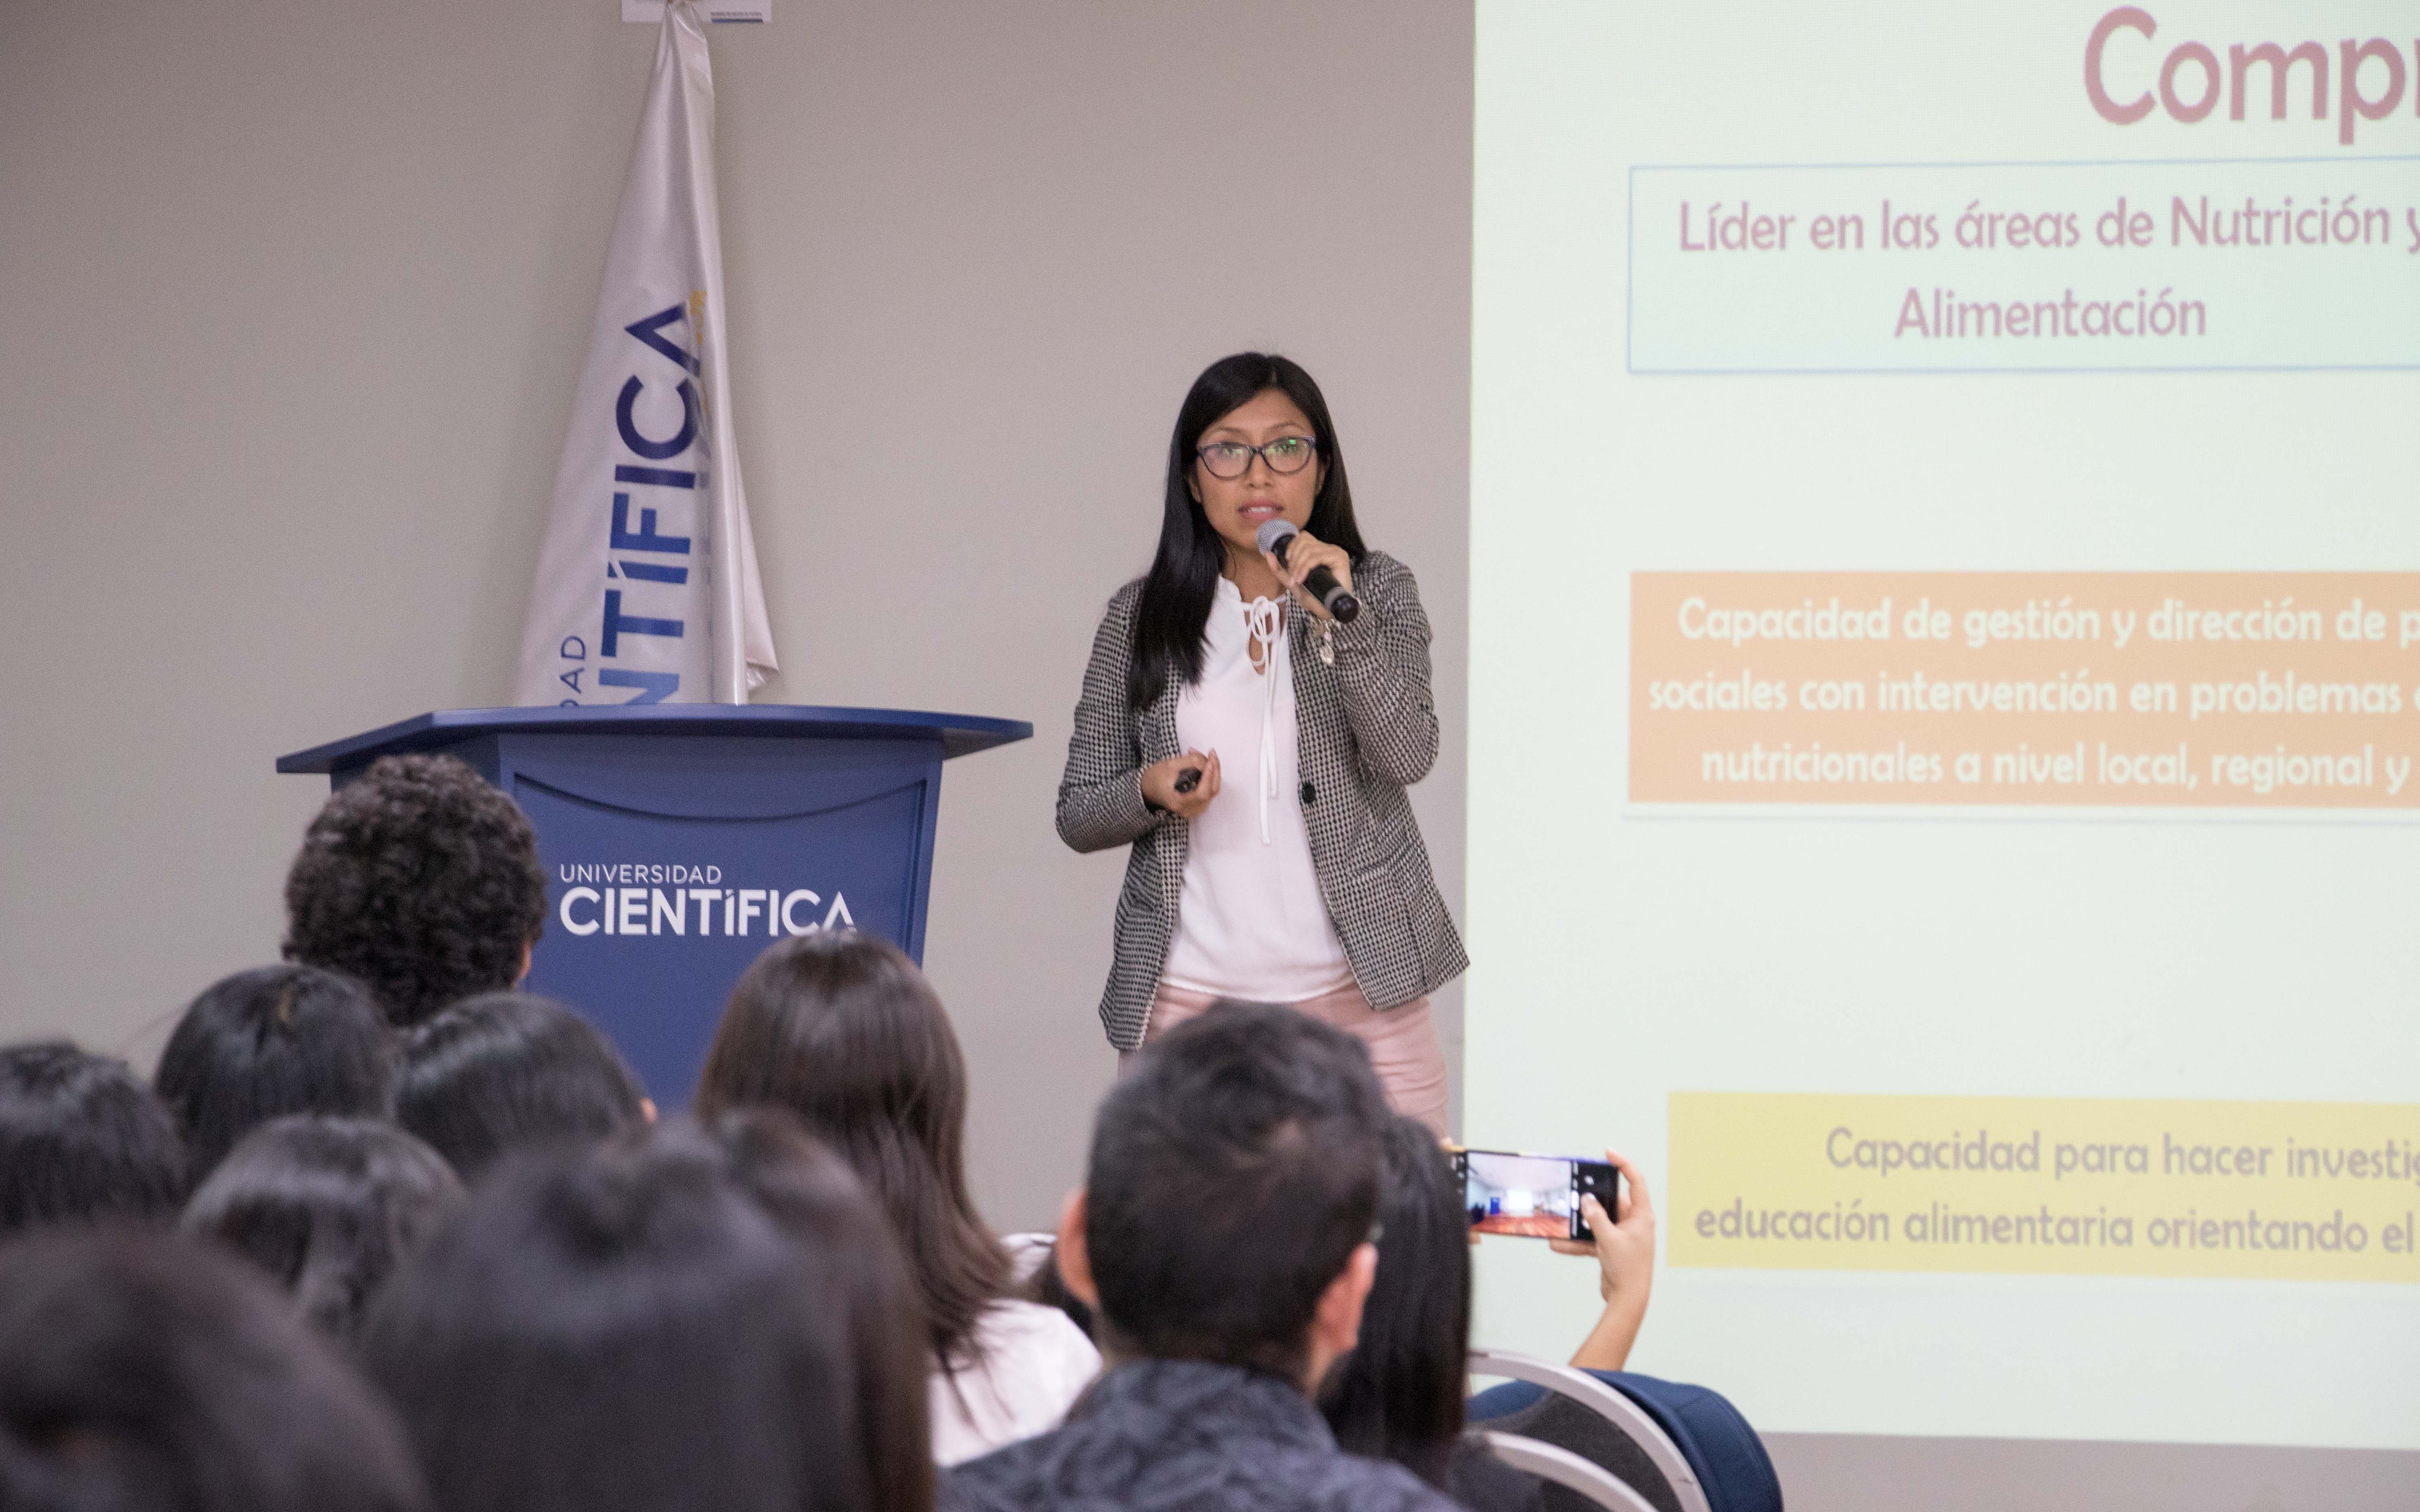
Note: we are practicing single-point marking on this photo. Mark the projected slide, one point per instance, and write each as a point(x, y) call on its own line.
point(1945, 697)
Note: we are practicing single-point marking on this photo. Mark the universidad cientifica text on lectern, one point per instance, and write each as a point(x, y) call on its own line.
point(680, 840)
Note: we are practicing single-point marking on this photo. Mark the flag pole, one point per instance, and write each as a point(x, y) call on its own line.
point(726, 625)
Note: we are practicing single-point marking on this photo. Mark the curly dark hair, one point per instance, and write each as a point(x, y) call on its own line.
point(420, 880)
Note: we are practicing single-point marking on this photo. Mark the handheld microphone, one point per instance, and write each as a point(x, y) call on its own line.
point(1333, 596)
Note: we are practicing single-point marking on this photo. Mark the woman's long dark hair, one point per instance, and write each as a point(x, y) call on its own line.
point(1184, 575)
point(1398, 1395)
point(842, 1030)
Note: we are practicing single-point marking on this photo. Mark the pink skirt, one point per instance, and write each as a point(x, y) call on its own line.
point(1403, 1041)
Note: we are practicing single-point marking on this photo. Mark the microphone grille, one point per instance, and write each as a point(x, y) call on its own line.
point(1272, 532)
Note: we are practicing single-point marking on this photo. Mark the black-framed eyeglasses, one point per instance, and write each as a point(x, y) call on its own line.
point(1233, 459)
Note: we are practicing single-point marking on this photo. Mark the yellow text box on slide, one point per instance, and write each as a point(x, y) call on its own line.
point(2066, 1186)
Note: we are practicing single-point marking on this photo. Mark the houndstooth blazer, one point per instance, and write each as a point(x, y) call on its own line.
point(1368, 729)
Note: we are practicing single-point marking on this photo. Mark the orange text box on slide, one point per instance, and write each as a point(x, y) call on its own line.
point(2226, 690)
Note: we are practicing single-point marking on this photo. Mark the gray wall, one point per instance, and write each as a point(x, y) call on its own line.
point(297, 294)
point(1877, 1472)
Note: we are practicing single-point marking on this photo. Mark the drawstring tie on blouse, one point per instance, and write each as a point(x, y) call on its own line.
point(1266, 620)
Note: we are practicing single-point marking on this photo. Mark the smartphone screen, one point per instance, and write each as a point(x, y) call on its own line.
point(1537, 1197)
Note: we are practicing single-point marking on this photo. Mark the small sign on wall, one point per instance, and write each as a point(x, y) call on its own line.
point(652, 11)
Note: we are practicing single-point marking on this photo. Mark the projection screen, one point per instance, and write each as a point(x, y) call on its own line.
point(1945, 698)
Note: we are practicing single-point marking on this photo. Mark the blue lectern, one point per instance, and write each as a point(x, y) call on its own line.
point(680, 840)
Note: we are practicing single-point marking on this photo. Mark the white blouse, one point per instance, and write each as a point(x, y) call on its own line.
point(1250, 922)
point(1034, 1364)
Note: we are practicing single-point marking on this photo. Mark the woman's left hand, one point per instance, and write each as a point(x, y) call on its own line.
point(1624, 1247)
point(1623, 1242)
point(1304, 552)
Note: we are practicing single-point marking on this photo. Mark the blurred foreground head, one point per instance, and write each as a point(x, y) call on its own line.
point(141, 1371)
point(327, 1208)
point(627, 1328)
point(81, 1138)
point(811, 1192)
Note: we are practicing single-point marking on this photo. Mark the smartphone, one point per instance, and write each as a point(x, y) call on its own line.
point(1505, 1191)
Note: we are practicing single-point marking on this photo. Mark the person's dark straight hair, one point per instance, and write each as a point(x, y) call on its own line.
point(267, 1042)
point(507, 1071)
point(1399, 1395)
point(842, 1030)
point(1183, 577)
point(143, 1370)
point(623, 1328)
point(1232, 1173)
point(81, 1138)
point(327, 1208)
point(811, 1192)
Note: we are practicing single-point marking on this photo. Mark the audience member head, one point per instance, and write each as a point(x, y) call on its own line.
point(81, 1138)
point(1399, 1395)
point(623, 1327)
point(813, 1194)
point(507, 1071)
point(327, 1207)
point(1226, 1213)
point(140, 1371)
point(267, 1042)
point(420, 880)
point(842, 1030)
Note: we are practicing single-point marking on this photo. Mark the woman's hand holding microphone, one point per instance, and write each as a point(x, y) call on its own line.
point(1305, 552)
point(1161, 780)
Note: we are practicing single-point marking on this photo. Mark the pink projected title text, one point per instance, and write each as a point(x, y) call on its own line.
point(2370, 76)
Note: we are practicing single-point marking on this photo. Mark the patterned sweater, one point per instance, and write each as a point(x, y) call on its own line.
point(1185, 1436)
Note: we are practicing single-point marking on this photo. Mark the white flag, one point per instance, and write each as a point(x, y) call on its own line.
point(648, 589)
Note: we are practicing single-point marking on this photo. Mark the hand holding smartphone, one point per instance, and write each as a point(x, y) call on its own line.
point(1534, 1197)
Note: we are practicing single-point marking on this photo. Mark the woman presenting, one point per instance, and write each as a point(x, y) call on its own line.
point(1305, 883)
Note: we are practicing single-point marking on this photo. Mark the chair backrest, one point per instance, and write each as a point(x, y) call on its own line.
point(1727, 1466)
point(1568, 1425)
point(1628, 1419)
point(1565, 1469)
